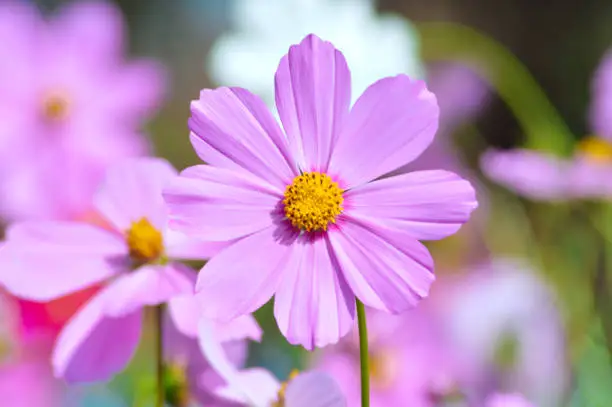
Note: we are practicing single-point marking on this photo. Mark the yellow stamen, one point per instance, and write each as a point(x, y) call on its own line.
point(144, 241)
point(595, 149)
point(280, 401)
point(55, 108)
point(313, 201)
point(383, 369)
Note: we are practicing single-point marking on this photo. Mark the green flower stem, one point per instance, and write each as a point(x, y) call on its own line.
point(363, 355)
point(159, 354)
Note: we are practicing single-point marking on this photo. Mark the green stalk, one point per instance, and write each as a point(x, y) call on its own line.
point(159, 354)
point(363, 355)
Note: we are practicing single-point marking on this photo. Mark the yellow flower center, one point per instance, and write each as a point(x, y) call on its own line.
point(55, 108)
point(595, 149)
point(145, 243)
point(176, 385)
point(383, 369)
point(280, 401)
point(313, 201)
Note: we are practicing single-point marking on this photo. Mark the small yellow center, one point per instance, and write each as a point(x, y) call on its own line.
point(55, 108)
point(383, 369)
point(595, 149)
point(280, 401)
point(146, 243)
point(313, 201)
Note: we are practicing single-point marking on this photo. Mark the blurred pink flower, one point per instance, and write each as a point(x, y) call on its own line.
point(601, 99)
point(410, 363)
point(28, 384)
point(302, 213)
point(508, 400)
point(69, 106)
point(257, 387)
point(48, 259)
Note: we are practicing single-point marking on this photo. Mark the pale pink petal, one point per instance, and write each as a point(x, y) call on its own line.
point(314, 389)
point(387, 270)
point(94, 346)
point(216, 204)
point(255, 386)
point(507, 400)
point(427, 205)
point(244, 276)
point(313, 94)
point(313, 305)
point(46, 260)
point(132, 190)
point(183, 247)
point(236, 131)
point(601, 99)
point(529, 173)
point(391, 124)
point(149, 285)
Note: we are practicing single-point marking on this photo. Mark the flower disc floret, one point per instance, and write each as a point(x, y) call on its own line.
point(313, 201)
point(145, 242)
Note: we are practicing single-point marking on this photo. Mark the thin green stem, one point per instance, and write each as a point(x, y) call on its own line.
point(159, 354)
point(363, 355)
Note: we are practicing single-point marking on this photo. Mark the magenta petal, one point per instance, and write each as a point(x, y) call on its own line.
point(93, 346)
point(427, 205)
point(313, 94)
point(314, 389)
point(217, 204)
point(507, 400)
point(233, 128)
point(313, 305)
point(390, 125)
point(530, 173)
point(149, 285)
point(244, 276)
point(132, 190)
point(46, 260)
point(387, 270)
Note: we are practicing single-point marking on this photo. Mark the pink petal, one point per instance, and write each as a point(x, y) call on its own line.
point(313, 304)
point(217, 204)
point(255, 387)
point(132, 190)
point(387, 270)
point(391, 124)
point(425, 204)
point(149, 285)
point(244, 276)
point(314, 389)
point(313, 94)
point(507, 400)
point(42, 261)
point(529, 173)
point(94, 346)
point(232, 128)
point(183, 247)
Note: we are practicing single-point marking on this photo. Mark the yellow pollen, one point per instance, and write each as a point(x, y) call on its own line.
point(313, 201)
point(595, 149)
point(144, 241)
point(280, 401)
point(55, 108)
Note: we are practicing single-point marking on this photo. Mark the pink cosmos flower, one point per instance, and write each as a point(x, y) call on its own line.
point(134, 254)
point(70, 106)
point(257, 387)
point(411, 364)
point(28, 384)
point(302, 212)
point(508, 400)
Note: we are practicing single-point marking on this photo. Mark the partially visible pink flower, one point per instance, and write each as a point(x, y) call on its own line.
point(134, 255)
point(410, 362)
point(70, 106)
point(601, 99)
point(508, 400)
point(303, 213)
point(28, 384)
point(256, 387)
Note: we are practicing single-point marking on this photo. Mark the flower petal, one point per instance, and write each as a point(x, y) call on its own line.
point(313, 305)
point(244, 276)
point(233, 128)
point(217, 204)
point(149, 285)
point(529, 173)
point(132, 190)
point(391, 124)
point(314, 389)
point(93, 346)
point(313, 94)
point(42, 261)
point(427, 205)
point(388, 270)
